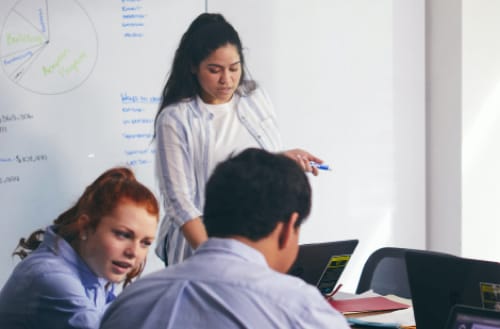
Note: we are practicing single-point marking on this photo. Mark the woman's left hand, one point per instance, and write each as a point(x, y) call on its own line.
point(303, 158)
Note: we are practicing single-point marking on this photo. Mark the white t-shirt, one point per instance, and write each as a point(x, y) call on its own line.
point(231, 136)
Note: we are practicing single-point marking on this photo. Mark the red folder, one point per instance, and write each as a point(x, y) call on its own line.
point(366, 304)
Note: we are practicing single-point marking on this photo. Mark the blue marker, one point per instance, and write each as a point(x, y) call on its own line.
point(320, 166)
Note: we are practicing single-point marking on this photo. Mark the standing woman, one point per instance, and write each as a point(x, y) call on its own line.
point(67, 275)
point(209, 111)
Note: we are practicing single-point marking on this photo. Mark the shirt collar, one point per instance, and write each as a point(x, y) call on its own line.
point(234, 248)
point(62, 248)
point(199, 105)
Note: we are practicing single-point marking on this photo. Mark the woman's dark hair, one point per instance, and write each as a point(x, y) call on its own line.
point(98, 200)
point(207, 33)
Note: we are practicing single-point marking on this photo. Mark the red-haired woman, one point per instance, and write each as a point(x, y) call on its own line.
point(68, 271)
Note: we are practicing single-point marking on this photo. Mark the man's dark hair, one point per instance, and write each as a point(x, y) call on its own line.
point(250, 193)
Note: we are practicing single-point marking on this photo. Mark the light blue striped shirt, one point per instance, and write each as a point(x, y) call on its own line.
point(185, 140)
point(53, 288)
point(224, 284)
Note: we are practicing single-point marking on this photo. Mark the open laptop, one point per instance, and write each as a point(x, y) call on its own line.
point(321, 264)
point(440, 281)
point(468, 317)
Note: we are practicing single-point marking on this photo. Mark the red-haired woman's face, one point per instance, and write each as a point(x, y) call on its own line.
point(120, 242)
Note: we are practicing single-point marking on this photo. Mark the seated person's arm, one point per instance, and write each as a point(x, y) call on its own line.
point(64, 303)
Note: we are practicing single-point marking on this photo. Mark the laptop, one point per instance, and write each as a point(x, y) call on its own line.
point(468, 317)
point(440, 281)
point(321, 264)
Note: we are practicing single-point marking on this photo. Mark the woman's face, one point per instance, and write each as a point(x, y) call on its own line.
point(120, 242)
point(219, 75)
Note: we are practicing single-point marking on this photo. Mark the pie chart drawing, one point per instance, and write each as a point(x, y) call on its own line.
point(48, 46)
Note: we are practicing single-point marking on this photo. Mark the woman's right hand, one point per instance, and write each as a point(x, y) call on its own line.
point(304, 158)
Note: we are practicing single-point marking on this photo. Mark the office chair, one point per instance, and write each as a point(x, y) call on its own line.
point(385, 273)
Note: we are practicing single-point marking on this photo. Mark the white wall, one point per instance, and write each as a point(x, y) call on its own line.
point(481, 129)
point(463, 127)
point(348, 83)
point(443, 146)
point(346, 77)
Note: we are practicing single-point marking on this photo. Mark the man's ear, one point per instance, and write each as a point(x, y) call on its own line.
point(288, 231)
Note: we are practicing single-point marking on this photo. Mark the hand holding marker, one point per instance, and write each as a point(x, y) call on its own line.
point(320, 166)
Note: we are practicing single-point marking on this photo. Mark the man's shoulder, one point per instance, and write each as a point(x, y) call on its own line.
point(257, 296)
point(284, 287)
point(255, 282)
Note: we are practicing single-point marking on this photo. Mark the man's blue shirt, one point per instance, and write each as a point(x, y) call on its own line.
point(224, 284)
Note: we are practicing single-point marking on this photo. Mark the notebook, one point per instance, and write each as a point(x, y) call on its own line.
point(321, 264)
point(440, 281)
point(468, 317)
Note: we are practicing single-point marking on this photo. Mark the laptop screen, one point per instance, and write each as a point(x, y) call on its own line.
point(467, 317)
point(321, 264)
point(438, 282)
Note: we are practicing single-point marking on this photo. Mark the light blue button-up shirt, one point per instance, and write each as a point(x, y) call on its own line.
point(53, 288)
point(225, 284)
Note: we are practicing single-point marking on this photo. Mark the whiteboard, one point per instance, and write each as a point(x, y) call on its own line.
point(80, 84)
point(346, 78)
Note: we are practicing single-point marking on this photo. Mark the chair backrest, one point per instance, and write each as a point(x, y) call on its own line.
point(385, 273)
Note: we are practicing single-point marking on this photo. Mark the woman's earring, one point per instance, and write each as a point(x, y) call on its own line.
point(84, 237)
